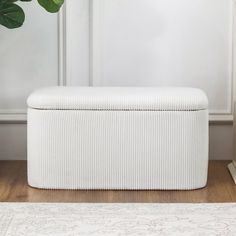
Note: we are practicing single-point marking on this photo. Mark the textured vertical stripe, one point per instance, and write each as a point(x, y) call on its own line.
point(78, 149)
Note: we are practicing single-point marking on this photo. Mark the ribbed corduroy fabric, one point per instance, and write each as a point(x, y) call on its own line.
point(104, 149)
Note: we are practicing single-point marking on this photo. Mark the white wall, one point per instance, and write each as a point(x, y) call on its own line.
point(29, 58)
point(95, 43)
point(165, 43)
point(154, 43)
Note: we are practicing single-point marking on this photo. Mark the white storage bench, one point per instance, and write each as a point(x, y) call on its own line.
point(117, 138)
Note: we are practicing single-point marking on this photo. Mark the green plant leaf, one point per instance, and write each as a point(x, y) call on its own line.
point(51, 5)
point(11, 15)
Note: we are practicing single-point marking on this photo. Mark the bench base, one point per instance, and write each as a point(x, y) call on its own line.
point(133, 150)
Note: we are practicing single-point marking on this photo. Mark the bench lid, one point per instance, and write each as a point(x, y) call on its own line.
point(118, 98)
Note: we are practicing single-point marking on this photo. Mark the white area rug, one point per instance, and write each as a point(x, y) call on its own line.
point(117, 219)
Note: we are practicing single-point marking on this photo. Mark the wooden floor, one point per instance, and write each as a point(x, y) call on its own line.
point(14, 188)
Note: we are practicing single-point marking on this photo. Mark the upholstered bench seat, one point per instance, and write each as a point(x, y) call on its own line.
point(117, 138)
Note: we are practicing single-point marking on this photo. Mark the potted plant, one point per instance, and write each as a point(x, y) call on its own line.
point(12, 15)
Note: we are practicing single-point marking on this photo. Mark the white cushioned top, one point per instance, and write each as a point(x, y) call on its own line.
point(118, 98)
